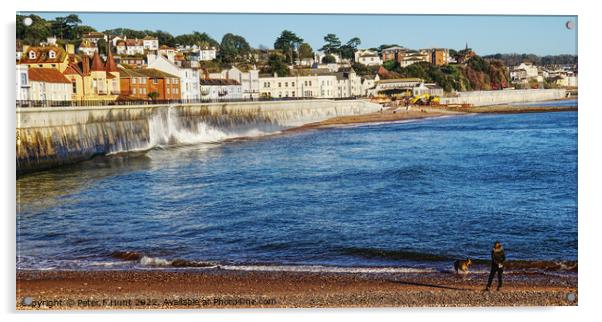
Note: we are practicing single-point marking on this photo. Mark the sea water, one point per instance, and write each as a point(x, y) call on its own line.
point(392, 197)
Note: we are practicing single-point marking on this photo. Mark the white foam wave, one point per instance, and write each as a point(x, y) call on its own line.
point(326, 269)
point(155, 261)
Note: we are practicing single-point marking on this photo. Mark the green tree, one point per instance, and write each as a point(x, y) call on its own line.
point(36, 32)
point(277, 64)
point(288, 42)
point(333, 43)
point(328, 59)
point(102, 47)
point(234, 48)
point(348, 50)
point(153, 95)
point(305, 51)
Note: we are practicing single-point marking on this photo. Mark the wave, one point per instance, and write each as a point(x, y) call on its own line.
point(393, 254)
point(148, 261)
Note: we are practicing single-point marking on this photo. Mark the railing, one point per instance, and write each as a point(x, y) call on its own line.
point(77, 103)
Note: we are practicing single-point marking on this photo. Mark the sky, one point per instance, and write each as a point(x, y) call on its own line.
point(540, 35)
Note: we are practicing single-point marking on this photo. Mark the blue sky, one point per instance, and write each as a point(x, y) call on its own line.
point(542, 35)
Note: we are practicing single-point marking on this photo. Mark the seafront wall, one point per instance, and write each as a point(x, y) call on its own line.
point(50, 137)
point(480, 98)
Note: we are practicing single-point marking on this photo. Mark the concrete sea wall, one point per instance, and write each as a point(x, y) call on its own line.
point(50, 137)
point(481, 98)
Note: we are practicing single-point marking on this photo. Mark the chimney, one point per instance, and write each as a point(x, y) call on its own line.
point(85, 64)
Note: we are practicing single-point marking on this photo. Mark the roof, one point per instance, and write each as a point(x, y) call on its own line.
point(218, 82)
point(97, 63)
point(394, 48)
point(399, 80)
point(150, 38)
point(144, 72)
point(43, 55)
point(47, 75)
point(94, 34)
point(110, 65)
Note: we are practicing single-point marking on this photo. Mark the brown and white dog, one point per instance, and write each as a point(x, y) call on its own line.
point(462, 265)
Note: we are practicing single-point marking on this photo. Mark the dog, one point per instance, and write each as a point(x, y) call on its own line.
point(462, 265)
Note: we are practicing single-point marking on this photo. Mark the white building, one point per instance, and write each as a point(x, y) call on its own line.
point(249, 80)
point(369, 85)
point(87, 48)
point(316, 83)
point(150, 43)
point(524, 72)
point(22, 83)
point(48, 84)
point(130, 47)
point(220, 89)
point(189, 77)
point(367, 57)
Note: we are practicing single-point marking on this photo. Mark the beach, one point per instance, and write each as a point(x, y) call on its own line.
point(216, 288)
point(397, 114)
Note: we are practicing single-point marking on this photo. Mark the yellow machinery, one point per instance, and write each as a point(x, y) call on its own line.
point(425, 99)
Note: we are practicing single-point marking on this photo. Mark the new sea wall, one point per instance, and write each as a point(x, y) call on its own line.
point(51, 137)
point(481, 98)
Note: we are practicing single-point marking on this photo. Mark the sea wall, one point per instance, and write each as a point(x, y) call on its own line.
point(480, 98)
point(50, 137)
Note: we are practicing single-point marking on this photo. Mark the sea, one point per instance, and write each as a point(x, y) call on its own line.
point(408, 196)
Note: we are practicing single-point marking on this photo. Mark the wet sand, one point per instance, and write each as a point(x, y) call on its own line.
point(421, 112)
point(217, 288)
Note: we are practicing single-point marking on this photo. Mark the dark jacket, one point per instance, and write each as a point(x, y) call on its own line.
point(497, 256)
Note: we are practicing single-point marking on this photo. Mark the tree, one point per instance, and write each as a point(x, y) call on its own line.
point(277, 64)
point(288, 42)
point(328, 59)
point(348, 50)
point(153, 95)
point(233, 48)
point(36, 32)
point(102, 47)
point(165, 38)
point(305, 51)
point(332, 44)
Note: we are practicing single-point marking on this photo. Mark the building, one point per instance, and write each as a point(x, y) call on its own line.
point(431, 89)
point(315, 83)
point(48, 85)
point(45, 57)
point(438, 56)
point(93, 37)
point(150, 43)
point(189, 77)
point(396, 86)
point(405, 57)
point(220, 89)
point(248, 79)
point(369, 84)
point(137, 61)
point(202, 54)
point(139, 83)
point(367, 57)
point(87, 48)
point(95, 80)
point(130, 47)
point(22, 83)
point(391, 53)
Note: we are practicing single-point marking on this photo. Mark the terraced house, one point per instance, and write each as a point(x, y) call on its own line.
point(140, 83)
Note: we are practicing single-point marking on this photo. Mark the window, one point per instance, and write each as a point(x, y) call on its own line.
point(73, 87)
point(51, 54)
point(292, 84)
point(155, 81)
point(293, 94)
point(133, 80)
point(175, 91)
point(279, 84)
point(144, 91)
point(175, 80)
point(134, 90)
point(168, 91)
point(143, 80)
point(305, 83)
point(32, 55)
point(167, 81)
point(309, 83)
point(285, 84)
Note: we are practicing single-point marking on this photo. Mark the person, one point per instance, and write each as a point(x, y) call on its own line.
point(498, 257)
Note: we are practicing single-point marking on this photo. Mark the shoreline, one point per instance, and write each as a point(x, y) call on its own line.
point(217, 288)
point(422, 112)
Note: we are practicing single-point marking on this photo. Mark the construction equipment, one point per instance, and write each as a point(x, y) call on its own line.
point(425, 99)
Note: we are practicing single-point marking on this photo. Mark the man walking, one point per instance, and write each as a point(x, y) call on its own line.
point(497, 265)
